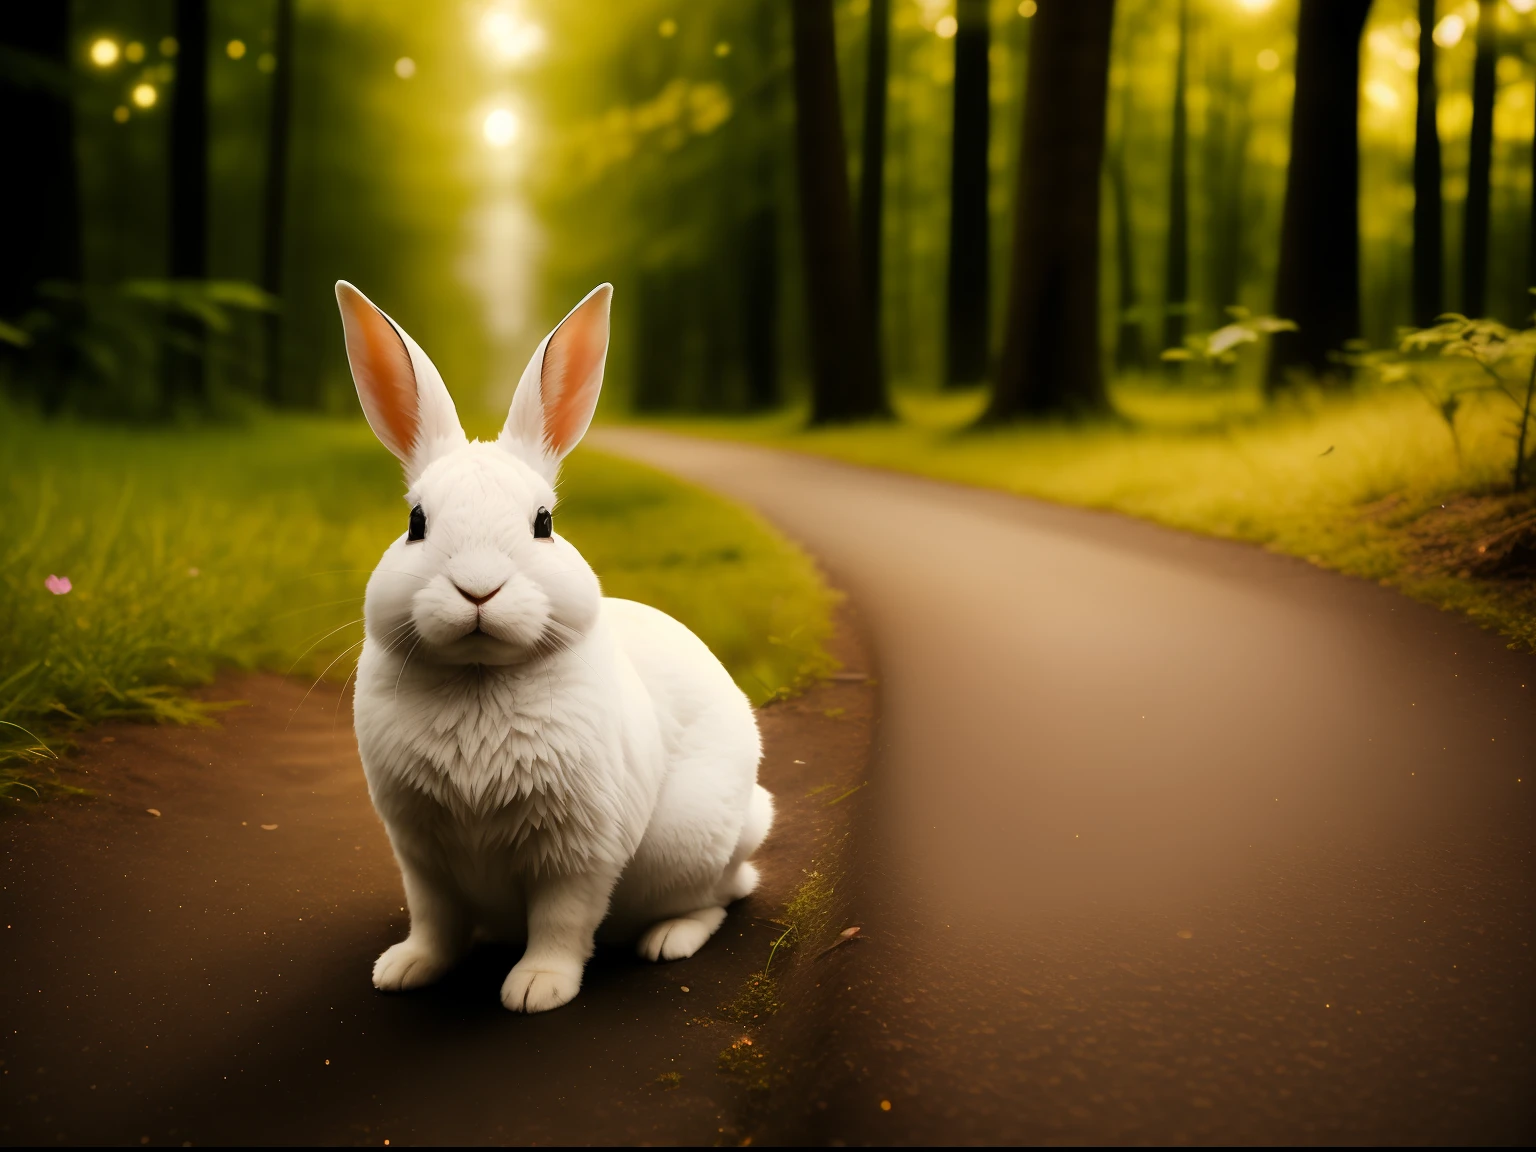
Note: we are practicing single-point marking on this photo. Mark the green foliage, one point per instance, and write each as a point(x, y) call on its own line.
point(96, 351)
point(188, 551)
point(1500, 362)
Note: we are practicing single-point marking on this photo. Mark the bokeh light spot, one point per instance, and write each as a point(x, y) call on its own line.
point(134, 52)
point(145, 95)
point(1028, 9)
point(1448, 32)
point(667, 28)
point(501, 128)
point(169, 47)
point(946, 27)
point(120, 113)
point(235, 49)
point(104, 52)
point(723, 49)
point(405, 67)
point(1268, 60)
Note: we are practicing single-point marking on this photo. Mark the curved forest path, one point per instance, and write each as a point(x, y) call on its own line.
point(1168, 839)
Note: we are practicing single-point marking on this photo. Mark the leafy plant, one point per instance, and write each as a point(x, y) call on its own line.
point(95, 349)
point(1506, 362)
point(1219, 349)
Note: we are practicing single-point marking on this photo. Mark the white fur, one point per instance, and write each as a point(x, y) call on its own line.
point(548, 763)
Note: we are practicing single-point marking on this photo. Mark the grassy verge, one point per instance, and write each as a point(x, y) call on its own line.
point(191, 550)
point(1371, 484)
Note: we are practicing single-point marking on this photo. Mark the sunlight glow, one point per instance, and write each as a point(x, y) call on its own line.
point(512, 38)
point(501, 128)
point(1268, 60)
point(1255, 5)
point(946, 27)
point(405, 67)
point(144, 95)
point(1448, 32)
point(1382, 95)
point(104, 52)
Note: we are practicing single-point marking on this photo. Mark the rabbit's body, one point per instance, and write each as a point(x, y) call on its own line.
point(622, 752)
point(546, 762)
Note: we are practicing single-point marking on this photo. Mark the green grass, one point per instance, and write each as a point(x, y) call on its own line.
point(189, 551)
point(1354, 482)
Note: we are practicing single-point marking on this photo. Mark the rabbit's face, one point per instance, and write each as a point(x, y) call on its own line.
point(479, 577)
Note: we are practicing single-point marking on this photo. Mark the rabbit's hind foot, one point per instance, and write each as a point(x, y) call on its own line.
point(680, 938)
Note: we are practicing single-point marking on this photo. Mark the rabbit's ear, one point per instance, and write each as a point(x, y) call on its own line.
point(557, 395)
point(403, 394)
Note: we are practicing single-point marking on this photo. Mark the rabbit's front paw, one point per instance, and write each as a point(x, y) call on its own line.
point(407, 965)
point(530, 989)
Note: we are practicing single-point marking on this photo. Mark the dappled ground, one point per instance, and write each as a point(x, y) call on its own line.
point(188, 954)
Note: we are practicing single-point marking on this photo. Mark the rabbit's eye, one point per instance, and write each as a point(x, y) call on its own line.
point(418, 526)
point(543, 525)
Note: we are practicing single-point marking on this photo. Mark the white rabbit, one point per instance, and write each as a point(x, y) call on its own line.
point(545, 760)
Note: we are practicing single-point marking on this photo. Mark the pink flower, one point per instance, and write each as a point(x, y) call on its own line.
point(58, 585)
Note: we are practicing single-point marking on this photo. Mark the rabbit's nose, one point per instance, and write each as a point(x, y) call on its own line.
point(478, 600)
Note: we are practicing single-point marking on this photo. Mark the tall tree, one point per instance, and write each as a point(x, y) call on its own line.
point(845, 372)
point(1428, 217)
point(1228, 126)
point(760, 233)
point(1318, 285)
point(1130, 352)
point(276, 206)
point(1050, 361)
point(184, 361)
point(40, 197)
point(1474, 260)
point(872, 158)
point(1176, 265)
point(967, 305)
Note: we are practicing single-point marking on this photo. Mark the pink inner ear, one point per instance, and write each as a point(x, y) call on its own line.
point(381, 368)
point(573, 372)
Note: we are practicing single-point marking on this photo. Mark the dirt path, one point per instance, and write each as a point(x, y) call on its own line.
point(202, 975)
point(1168, 839)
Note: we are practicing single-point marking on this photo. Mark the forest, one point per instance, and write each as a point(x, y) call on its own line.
point(809, 202)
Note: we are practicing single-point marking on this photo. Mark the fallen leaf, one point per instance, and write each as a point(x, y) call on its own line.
point(843, 937)
point(269, 827)
point(153, 811)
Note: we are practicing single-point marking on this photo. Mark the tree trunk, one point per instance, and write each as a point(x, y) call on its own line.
point(274, 234)
point(872, 165)
point(1176, 266)
point(1428, 226)
point(1474, 261)
point(1318, 285)
point(1130, 351)
point(1050, 361)
point(845, 374)
point(40, 196)
point(760, 309)
point(967, 304)
point(185, 377)
point(1227, 167)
